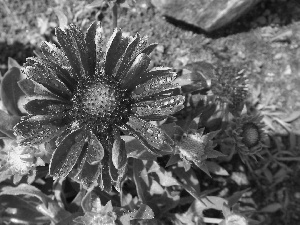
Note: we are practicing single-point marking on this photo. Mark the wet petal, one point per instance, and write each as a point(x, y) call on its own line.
point(54, 54)
point(150, 134)
point(165, 106)
point(144, 77)
point(39, 129)
point(139, 66)
point(89, 174)
point(95, 152)
point(66, 154)
point(154, 86)
point(36, 69)
point(32, 88)
point(115, 49)
point(106, 180)
point(125, 62)
point(147, 50)
point(73, 44)
point(44, 107)
point(119, 155)
point(94, 42)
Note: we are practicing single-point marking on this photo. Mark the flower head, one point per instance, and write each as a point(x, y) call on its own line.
point(18, 161)
point(192, 146)
point(229, 85)
point(84, 94)
point(247, 134)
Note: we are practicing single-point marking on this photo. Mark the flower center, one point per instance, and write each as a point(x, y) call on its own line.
point(101, 103)
point(250, 135)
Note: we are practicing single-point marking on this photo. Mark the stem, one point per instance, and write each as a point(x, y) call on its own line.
point(115, 15)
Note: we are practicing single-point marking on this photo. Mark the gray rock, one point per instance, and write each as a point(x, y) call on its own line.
point(209, 15)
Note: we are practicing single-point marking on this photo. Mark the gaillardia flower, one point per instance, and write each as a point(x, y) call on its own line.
point(19, 161)
point(84, 95)
point(247, 135)
point(230, 86)
point(192, 146)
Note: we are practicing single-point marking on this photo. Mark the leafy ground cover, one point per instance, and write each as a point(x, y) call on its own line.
point(265, 43)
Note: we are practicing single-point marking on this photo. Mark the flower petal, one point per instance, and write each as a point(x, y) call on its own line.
point(66, 154)
point(154, 86)
point(46, 107)
point(94, 42)
point(54, 54)
point(124, 63)
point(139, 66)
point(39, 129)
point(147, 50)
point(95, 152)
point(165, 106)
point(89, 174)
point(106, 180)
point(73, 44)
point(151, 136)
point(115, 49)
point(119, 155)
point(36, 69)
point(32, 88)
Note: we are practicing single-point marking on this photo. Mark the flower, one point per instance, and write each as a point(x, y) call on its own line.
point(83, 95)
point(96, 214)
point(247, 135)
point(99, 215)
point(193, 146)
point(18, 161)
point(229, 85)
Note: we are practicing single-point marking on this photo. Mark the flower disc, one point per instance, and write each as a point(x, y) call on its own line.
point(250, 134)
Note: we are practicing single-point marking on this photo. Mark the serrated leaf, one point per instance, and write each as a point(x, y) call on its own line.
point(25, 189)
point(216, 169)
point(10, 91)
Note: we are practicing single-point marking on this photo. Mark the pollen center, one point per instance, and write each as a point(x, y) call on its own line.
point(101, 104)
point(250, 134)
point(100, 99)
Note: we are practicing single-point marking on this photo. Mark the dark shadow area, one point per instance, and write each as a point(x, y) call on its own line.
point(17, 50)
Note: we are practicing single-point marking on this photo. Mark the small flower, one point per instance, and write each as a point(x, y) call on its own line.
point(247, 135)
point(18, 161)
point(96, 214)
point(193, 146)
point(83, 95)
point(230, 87)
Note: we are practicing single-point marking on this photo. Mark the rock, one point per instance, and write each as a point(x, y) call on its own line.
point(208, 15)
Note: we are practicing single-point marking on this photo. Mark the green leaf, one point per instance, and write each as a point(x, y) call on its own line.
point(271, 208)
point(216, 169)
point(23, 210)
point(10, 91)
point(13, 63)
point(136, 150)
point(25, 189)
point(7, 122)
point(209, 202)
point(165, 178)
point(62, 19)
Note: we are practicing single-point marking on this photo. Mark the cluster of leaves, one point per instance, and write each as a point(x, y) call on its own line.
point(213, 126)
